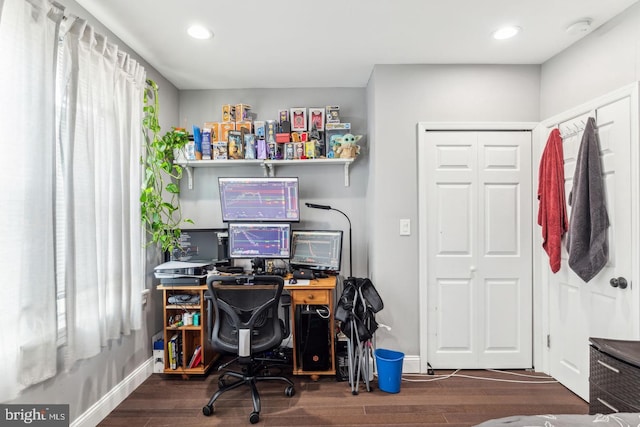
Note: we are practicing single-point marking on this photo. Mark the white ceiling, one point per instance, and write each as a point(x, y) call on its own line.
point(336, 43)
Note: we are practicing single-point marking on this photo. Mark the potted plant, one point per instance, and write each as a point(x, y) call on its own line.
point(159, 199)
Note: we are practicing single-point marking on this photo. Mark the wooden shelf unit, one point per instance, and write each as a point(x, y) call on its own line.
point(191, 335)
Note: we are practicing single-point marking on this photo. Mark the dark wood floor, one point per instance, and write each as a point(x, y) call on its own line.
point(455, 401)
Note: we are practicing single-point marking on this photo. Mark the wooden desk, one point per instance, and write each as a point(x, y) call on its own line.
point(317, 292)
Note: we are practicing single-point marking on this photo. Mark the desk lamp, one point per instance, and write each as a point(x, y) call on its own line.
point(329, 208)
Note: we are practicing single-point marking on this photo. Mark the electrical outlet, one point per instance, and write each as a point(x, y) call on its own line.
point(405, 227)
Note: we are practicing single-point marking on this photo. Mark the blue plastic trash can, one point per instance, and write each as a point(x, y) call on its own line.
point(389, 365)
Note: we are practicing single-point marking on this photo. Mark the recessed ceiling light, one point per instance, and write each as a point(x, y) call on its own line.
point(506, 32)
point(199, 32)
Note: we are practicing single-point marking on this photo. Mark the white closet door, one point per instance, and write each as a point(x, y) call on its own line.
point(579, 310)
point(479, 229)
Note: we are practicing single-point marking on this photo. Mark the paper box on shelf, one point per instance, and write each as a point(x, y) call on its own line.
point(332, 114)
point(224, 131)
point(243, 112)
point(259, 129)
point(228, 113)
point(215, 128)
point(334, 131)
point(246, 125)
point(298, 118)
point(220, 150)
point(206, 144)
point(235, 148)
point(316, 117)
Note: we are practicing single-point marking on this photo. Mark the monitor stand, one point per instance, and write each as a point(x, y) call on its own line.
point(258, 266)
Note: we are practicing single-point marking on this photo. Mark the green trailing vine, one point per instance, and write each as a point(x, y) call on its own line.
point(159, 199)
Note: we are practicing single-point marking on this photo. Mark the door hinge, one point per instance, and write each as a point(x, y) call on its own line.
point(548, 341)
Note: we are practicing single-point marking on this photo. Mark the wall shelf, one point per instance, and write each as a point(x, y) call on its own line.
point(268, 166)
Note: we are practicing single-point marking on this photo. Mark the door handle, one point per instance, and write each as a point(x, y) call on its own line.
point(619, 282)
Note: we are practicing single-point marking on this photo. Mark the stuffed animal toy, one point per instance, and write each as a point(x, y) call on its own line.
point(348, 149)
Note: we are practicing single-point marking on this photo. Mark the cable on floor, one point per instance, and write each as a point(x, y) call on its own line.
point(541, 379)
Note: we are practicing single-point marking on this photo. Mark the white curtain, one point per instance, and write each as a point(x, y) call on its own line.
point(100, 145)
point(28, 38)
point(72, 251)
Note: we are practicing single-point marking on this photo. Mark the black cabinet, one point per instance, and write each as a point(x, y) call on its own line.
point(614, 379)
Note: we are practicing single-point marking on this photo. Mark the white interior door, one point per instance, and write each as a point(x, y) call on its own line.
point(579, 310)
point(478, 248)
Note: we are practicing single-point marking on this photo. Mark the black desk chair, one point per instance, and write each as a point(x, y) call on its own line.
point(245, 323)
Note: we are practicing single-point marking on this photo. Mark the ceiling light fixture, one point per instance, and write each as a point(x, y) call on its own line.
point(199, 32)
point(579, 27)
point(506, 32)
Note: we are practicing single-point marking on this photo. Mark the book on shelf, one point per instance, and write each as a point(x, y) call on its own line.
point(174, 351)
point(196, 357)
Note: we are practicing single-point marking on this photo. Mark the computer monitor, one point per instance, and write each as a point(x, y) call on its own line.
point(317, 250)
point(202, 245)
point(259, 240)
point(259, 199)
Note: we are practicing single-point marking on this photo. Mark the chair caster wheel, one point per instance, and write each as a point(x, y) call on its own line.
point(254, 418)
point(207, 410)
point(289, 391)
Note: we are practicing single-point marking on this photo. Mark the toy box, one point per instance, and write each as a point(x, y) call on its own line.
point(249, 141)
point(242, 112)
point(261, 149)
point(219, 151)
point(228, 113)
point(333, 131)
point(310, 149)
point(289, 151)
point(283, 116)
point(316, 117)
point(274, 151)
point(206, 144)
point(271, 128)
point(223, 135)
point(259, 129)
point(298, 119)
point(235, 148)
point(246, 125)
point(332, 114)
point(283, 137)
point(215, 128)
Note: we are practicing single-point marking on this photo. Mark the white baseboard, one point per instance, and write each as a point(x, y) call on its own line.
point(411, 365)
point(99, 410)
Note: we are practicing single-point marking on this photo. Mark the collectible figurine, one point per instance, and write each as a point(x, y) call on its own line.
point(348, 149)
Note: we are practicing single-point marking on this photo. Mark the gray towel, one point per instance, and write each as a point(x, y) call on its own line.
point(587, 237)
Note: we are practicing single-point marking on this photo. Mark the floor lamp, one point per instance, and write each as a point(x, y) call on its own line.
point(329, 208)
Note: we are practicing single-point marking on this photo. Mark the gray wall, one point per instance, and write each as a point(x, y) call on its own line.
point(383, 181)
point(399, 98)
point(89, 380)
point(604, 61)
point(323, 184)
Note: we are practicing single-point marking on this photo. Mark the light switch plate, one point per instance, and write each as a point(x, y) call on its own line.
point(405, 227)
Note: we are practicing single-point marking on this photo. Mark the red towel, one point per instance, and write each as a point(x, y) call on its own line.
point(552, 210)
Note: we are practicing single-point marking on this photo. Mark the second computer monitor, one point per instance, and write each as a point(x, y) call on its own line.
point(259, 240)
point(317, 250)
